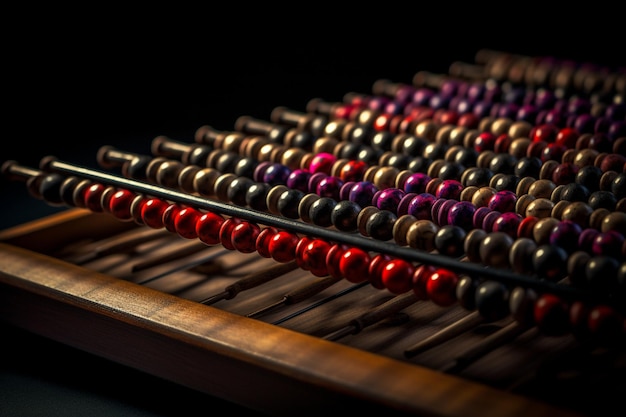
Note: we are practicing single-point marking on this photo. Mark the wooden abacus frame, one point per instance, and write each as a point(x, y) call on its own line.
point(245, 361)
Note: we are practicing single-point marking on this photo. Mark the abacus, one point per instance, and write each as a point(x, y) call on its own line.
point(448, 246)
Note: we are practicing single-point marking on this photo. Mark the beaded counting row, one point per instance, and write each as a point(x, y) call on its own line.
point(385, 211)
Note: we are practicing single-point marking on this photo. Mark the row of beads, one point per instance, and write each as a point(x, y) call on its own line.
point(439, 285)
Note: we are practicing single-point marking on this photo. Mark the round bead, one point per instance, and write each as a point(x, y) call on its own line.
point(120, 203)
point(551, 314)
point(550, 262)
point(420, 279)
point(354, 264)
point(320, 211)
point(314, 256)
point(375, 270)
point(333, 259)
point(379, 225)
point(244, 236)
point(288, 203)
point(494, 249)
point(282, 246)
point(152, 211)
point(508, 223)
point(185, 222)
point(461, 214)
point(449, 240)
point(344, 216)
point(441, 287)
point(492, 300)
point(226, 232)
point(397, 276)
point(208, 228)
point(421, 235)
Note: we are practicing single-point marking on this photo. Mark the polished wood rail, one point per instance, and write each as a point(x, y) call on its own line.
point(265, 367)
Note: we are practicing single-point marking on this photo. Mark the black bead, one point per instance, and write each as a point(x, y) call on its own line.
point(237, 190)
point(277, 134)
point(256, 196)
point(506, 182)
point(369, 155)
point(451, 171)
point(303, 140)
point(198, 155)
point(492, 300)
point(601, 273)
point(137, 168)
point(435, 151)
point(380, 225)
point(602, 199)
point(618, 186)
point(382, 141)
point(350, 150)
point(528, 167)
point(466, 292)
point(550, 262)
point(288, 203)
point(414, 146)
point(478, 177)
point(449, 240)
point(466, 157)
point(245, 167)
point(503, 163)
point(574, 192)
point(50, 189)
point(420, 164)
point(344, 216)
point(321, 211)
point(227, 162)
point(589, 176)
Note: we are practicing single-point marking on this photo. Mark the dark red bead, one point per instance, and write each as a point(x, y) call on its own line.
point(120, 204)
point(208, 228)
point(282, 246)
point(552, 315)
point(377, 264)
point(322, 162)
point(333, 258)
point(244, 236)
point(92, 197)
point(353, 170)
point(152, 211)
point(185, 221)
point(226, 231)
point(169, 215)
point(508, 223)
point(263, 239)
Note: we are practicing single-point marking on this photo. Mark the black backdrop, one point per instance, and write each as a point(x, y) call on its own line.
point(110, 77)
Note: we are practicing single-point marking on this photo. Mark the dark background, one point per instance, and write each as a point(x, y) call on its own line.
point(120, 78)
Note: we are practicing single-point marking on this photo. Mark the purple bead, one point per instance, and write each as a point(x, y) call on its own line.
point(362, 193)
point(489, 220)
point(276, 174)
point(344, 192)
point(586, 238)
point(403, 206)
point(259, 171)
point(329, 187)
point(422, 96)
point(503, 201)
point(389, 198)
point(299, 180)
point(608, 244)
point(617, 129)
point(449, 189)
point(416, 183)
point(462, 214)
point(314, 179)
point(440, 211)
point(479, 216)
point(507, 223)
point(420, 206)
point(566, 234)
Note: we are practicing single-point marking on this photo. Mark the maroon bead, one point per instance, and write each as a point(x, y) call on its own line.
point(314, 180)
point(564, 173)
point(353, 170)
point(244, 236)
point(525, 227)
point(551, 314)
point(92, 197)
point(608, 243)
point(329, 187)
point(333, 258)
point(226, 231)
point(388, 199)
point(375, 270)
point(263, 240)
point(565, 235)
point(479, 216)
point(489, 220)
point(403, 205)
point(299, 179)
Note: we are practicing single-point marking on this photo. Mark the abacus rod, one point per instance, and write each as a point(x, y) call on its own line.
point(268, 219)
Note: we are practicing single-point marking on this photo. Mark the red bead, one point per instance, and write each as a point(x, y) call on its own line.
point(354, 265)
point(152, 212)
point(300, 247)
point(375, 270)
point(397, 276)
point(185, 222)
point(552, 315)
point(441, 287)
point(263, 241)
point(244, 236)
point(567, 137)
point(208, 228)
point(92, 197)
point(421, 276)
point(333, 257)
point(484, 142)
point(282, 246)
point(606, 325)
point(226, 231)
point(120, 202)
point(546, 133)
point(169, 215)
point(314, 256)
point(526, 225)
point(353, 170)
